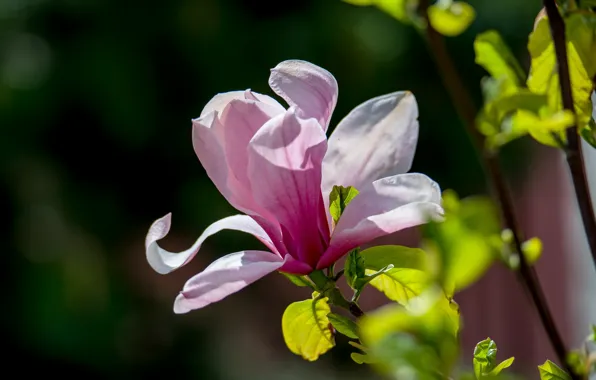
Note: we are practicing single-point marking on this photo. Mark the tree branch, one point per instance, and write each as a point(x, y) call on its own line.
point(500, 192)
point(574, 149)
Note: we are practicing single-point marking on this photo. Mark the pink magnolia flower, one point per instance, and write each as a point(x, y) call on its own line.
point(277, 166)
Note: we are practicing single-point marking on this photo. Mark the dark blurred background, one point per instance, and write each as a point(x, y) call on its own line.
point(96, 98)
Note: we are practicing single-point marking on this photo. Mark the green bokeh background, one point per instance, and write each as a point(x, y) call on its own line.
point(96, 98)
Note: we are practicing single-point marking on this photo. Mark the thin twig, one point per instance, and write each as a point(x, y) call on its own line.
point(573, 150)
point(467, 112)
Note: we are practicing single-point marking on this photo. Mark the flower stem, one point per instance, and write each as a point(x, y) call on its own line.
point(496, 181)
point(326, 286)
point(573, 149)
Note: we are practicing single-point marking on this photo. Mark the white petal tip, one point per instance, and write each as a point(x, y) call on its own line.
point(180, 306)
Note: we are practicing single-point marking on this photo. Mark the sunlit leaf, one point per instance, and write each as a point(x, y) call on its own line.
point(420, 338)
point(401, 284)
point(339, 199)
point(485, 355)
point(577, 362)
point(593, 336)
point(551, 371)
point(532, 250)
point(381, 256)
point(501, 366)
point(344, 325)
point(451, 18)
point(467, 242)
point(493, 54)
point(542, 127)
point(396, 8)
point(581, 51)
point(305, 328)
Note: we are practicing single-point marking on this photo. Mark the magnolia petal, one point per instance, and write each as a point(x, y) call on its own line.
point(384, 207)
point(225, 276)
point(377, 139)
point(164, 262)
point(294, 266)
point(219, 101)
point(240, 120)
point(284, 167)
point(208, 138)
point(309, 88)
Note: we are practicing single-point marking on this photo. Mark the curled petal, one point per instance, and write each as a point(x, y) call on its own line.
point(386, 206)
point(164, 262)
point(210, 141)
point(377, 139)
point(284, 168)
point(309, 88)
point(225, 276)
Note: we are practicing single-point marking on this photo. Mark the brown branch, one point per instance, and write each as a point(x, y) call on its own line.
point(573, 149)
point(500, 192)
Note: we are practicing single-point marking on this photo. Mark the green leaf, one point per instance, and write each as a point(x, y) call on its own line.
point(344, 325)
point(401, 284)
point(501, 366)
point(514, 112)
point(354, 267)
point(532, 250)
point(550, 371)
point(420, 338)
point(581, 51)
point(467, 242)
point(577, 362)
point(588, 132)
point(485, 355)
point(305, 328)
point(297, 280)
point(542, 126)
point(339, 198)
point(381, 256)
point(593, 336)
point(396, 8)
point(451, 18)
point(493, 54)
point(361, 358)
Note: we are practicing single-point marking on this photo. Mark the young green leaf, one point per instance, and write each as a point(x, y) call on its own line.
point(354, 267)
point(485, 355)
point(339, 198)
point(401, 284)
point(501, 366)
point(451, 18)
point(593, 336)
point(305, 328)
point(395, 8)
point(361, 358)
point(379, 257)
point(581, 51)
point(588, 132)
point(493, 54)
point(344, 325)
point(576, 360)
point(532, 249)
point(421, 337)
point(551, 371)
point(466, 242)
